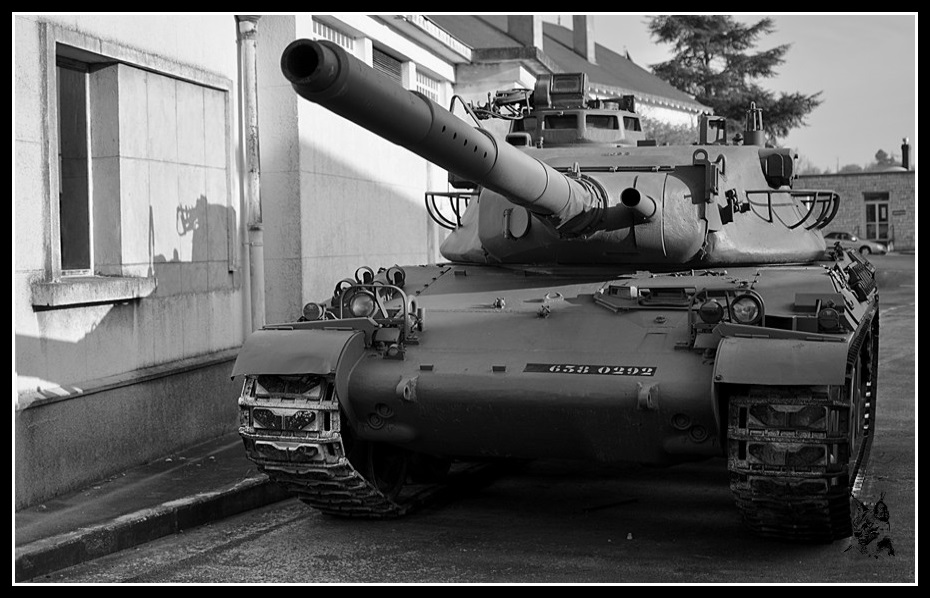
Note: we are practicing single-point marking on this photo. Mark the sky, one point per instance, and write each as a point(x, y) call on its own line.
point(864, 65)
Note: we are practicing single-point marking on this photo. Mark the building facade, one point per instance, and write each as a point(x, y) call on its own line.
point(140, 185)
point(127, 286)
point(880, 206)
point(335, 196)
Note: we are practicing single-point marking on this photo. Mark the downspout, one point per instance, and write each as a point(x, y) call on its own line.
point(252, 187)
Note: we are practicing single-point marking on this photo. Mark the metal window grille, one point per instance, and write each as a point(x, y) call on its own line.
point(428, 86)
point(324, 31)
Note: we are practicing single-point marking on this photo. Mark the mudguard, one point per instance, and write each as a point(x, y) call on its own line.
point(780, 362)
point(284, 352)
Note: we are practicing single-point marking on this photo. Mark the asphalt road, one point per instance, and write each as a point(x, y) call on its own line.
point(564, 522)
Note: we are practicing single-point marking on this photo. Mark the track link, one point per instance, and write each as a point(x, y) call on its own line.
point(788, 458)
point(794, 453)
point(292, 430)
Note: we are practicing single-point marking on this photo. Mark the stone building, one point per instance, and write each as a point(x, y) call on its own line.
point(880, 205)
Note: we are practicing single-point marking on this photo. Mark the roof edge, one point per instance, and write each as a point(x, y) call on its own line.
point(534, 59)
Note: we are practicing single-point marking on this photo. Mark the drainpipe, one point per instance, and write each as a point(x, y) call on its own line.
point(252, 188)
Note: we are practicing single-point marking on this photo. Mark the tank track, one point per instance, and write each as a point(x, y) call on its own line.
point(793, 455)
point(292, 430)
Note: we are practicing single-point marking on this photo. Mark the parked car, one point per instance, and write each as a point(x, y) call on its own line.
point(851, 241)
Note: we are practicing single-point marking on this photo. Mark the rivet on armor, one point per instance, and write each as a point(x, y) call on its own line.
point(681, 421)
point(698, 433)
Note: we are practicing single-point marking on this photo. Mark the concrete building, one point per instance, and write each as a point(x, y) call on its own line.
point(337, 196)
point(127, 269)
point(172, 193)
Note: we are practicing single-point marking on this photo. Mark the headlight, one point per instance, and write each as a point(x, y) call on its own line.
point(746, 310)
point(828, 319)
point(313, 311)
point(711, 311)
point(362, 305)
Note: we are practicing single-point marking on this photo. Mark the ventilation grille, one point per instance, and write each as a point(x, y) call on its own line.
point(386, 64)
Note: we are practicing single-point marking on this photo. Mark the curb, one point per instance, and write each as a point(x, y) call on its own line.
point(65, 550)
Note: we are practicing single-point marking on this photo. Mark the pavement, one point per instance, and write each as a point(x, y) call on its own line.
point(207, 482)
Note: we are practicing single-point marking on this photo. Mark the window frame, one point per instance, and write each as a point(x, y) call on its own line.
point(877, 202)
point(61, 288)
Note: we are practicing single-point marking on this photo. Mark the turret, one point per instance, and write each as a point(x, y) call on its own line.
point(324, 73)
point(575, 181)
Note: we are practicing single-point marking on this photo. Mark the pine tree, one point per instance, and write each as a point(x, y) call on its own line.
point(713, 62)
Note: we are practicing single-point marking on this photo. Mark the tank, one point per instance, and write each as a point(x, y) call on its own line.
point(605, 299)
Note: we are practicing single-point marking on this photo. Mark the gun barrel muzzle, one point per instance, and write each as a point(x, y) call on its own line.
point(638, 202)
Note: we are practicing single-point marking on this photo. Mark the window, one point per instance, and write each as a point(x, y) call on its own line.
point(876, 216)
point(565, 121)
point(631, 124)
point(601, 121)
point(74, 191)
point(525, 124)
point(387, 64)
point(140, 175)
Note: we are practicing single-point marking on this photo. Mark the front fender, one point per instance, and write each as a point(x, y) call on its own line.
point(780, 362)
point(285, 352)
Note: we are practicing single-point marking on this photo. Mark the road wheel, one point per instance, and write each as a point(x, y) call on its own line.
point(864, 250)
point(382, 465)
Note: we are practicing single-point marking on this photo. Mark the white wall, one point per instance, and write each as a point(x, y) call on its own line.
point(169, 189)
point(335, 197)
point(204, 41)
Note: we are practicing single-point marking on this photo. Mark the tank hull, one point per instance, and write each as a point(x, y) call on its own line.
point(585, 363)
point(506, 382)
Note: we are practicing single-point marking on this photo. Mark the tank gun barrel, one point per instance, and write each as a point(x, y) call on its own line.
point(324, 73)
point(640, 203)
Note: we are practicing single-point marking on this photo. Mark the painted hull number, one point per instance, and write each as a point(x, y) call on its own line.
point(601, 370)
